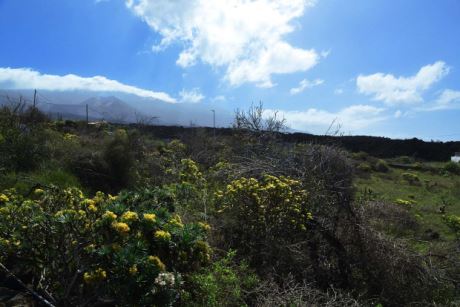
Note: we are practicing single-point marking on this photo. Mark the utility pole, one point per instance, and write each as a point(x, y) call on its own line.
point(35, 98)
point(214, 121)
point(87, 118)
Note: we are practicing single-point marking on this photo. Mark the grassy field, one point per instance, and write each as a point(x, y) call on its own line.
point(425, 189)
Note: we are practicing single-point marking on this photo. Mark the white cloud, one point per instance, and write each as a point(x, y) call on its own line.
point(192, 96)
point(352, 118)
point(304, 84)
point(219, 98)
point(26, 78)
point(243, 37)
point(325, 53)
point(398, 114)
point(338, 91)
point(447, 100)
point(402, 90)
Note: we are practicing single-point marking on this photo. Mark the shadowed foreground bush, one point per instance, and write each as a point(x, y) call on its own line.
point(76, 250)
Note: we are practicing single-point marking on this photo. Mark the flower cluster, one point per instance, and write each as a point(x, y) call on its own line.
point(121, 227)
point(162, 235)
point(156, 261)
point(95, 276)
point(165, 280)
point(129, 216)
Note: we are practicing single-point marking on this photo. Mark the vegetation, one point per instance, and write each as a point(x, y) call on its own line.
point(119, 215)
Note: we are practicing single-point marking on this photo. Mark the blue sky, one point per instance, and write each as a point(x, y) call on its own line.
point(378, 67)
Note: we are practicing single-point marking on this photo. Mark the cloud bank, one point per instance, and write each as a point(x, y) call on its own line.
point(246, 38)
point(26, 78)
point(401, 90)
point(354, 117)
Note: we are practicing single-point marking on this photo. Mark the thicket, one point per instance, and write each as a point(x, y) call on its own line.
point(242, 219)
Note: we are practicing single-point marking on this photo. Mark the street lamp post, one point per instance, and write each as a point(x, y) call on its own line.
point(214, 121)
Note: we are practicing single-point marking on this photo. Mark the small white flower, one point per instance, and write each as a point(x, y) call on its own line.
point(165, 279)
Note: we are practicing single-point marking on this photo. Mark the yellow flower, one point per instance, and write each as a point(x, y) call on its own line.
point(157, 262)
point(162, 235)
point(150, 217)
point(111, 197)
point(133, 270)
point(109, 215)
point(4, 242)
point(98, 275)
point(129, 216)
point(87, 277)
point(92, 208)
point(204, 226)
point(39, 191)
point(4, 198)
point(176, 221)
point(122, 228)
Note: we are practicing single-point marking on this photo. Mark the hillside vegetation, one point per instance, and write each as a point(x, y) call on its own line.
point(117, 215)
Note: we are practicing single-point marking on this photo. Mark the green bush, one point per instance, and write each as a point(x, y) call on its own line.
point(364, 167)
point(411, 178)
point(381, 166)
point(22, 141)
point(405, 159)
point(84, 249)
point(224, 283)
point(361, 155)
point(452, 167)
point(119, 159)
point(453, 222)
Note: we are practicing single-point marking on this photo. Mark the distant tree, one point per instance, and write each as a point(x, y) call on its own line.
point(256, 119)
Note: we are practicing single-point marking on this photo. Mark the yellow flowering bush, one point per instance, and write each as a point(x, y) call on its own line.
point(263, 216)
point(83, 247)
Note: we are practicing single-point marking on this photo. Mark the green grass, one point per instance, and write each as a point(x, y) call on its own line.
point(433, 189)
point(24, 182)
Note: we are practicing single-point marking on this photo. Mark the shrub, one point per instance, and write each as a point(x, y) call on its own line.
point(452, 167)
point(291, 293)
point(364, 167)
point(453, 222)
point(118, 157)
point(224, 283)
point(21, 145)
point(361, 155)
point(411, 178)
point(381, 166)
point(405, 159)
point(83, 249)
point(262, 217)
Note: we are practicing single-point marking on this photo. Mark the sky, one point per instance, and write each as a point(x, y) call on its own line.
point(368, 67)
